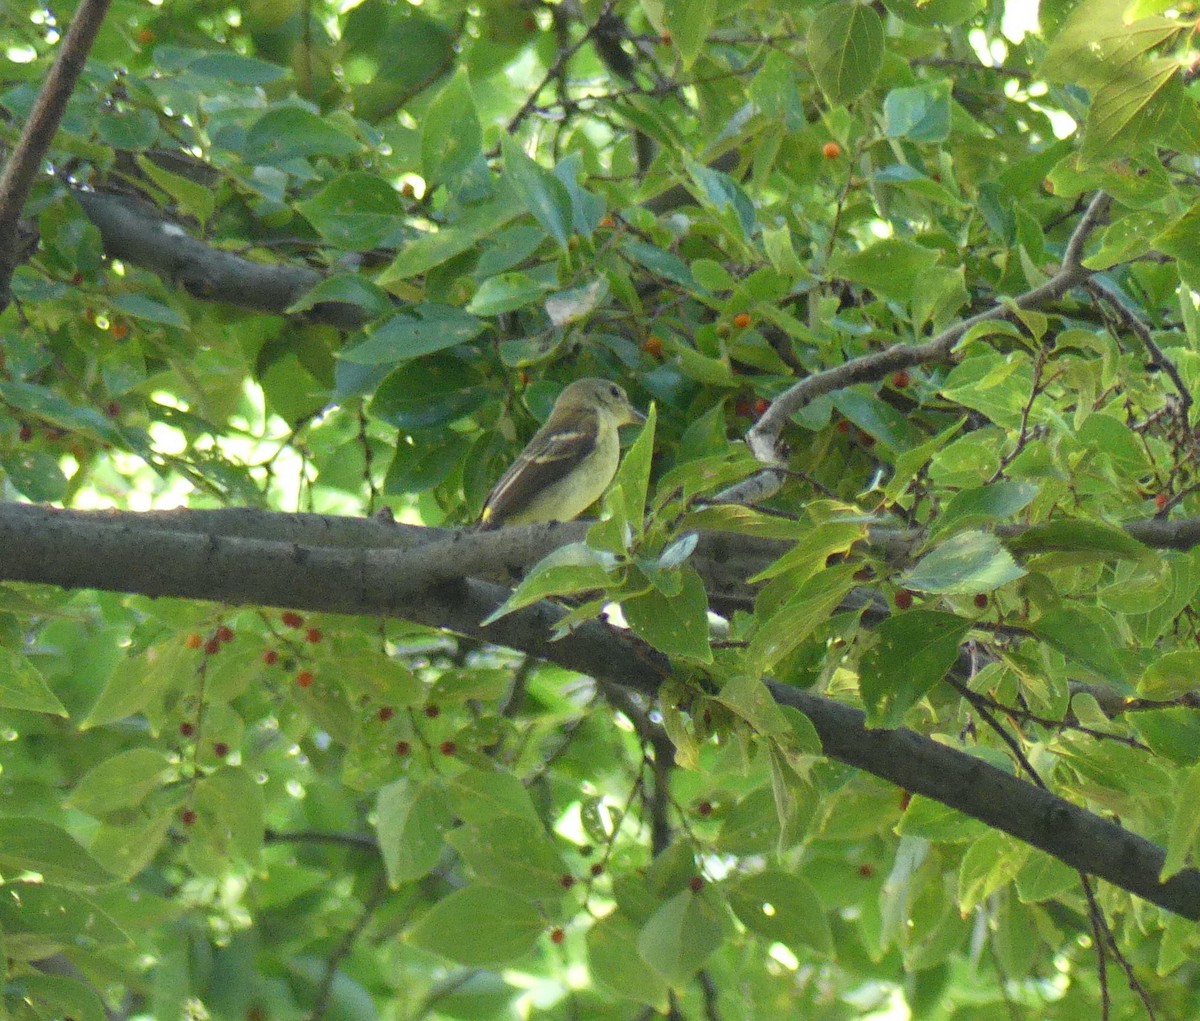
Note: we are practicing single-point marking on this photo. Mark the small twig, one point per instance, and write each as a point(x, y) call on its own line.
point(359, 841)
point(1106, 294)
point(374, 899)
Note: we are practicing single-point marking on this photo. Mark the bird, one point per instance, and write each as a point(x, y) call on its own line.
point(570, 460)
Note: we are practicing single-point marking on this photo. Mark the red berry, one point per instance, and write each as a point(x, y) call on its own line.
point(557, 935)
point(842, 426)
point(291, 619)
point(386, 713)
point(212, 646)
point(901, 379)
point(652, 345)
point(696, 884)
point(596, 869)
point(304, 678)
point(225, 633)
point(981, 600)
point(760, 407)
point(742, 320)
point(403, 747)
point(904, 599)
point(566, 882)
point(186, 729)
point(187, 817)
point(270, 657)
point(26, 432)
point(447, 748)
point(705, 808)
point(220, 749)
point(866, 871)
point(1160, 501)
point(432, 711)
point(831, 150)
point(193, 641)
point(313, 634)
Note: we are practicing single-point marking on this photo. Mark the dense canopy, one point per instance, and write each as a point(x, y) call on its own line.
point(869, 691)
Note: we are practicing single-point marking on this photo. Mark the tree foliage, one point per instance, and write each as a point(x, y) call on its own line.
point(906, 556)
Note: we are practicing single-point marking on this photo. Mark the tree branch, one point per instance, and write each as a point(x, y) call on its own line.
point(109, 551)
point(44, 118)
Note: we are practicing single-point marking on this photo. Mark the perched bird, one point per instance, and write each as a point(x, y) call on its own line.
point(569, 462)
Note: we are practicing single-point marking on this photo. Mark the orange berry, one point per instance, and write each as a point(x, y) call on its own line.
point(304, 679)
point(1160, 501)
point(901, 379)
point(146, 36)
point(606, 221)
point(904, 599)
point(742, 320)
point(653, 346)
point(193, 641)
point(665, 38)
point(831, 150)
point(760, 407)
point(407, 190)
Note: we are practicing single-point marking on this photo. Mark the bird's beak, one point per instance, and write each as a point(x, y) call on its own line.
point(635, 417)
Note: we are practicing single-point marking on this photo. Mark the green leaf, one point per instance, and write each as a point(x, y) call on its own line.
point(680, 936)
point(1093, 537)
point(430, 328)
point(505, 293)
point(689, 22)
point(1085, 636)
point(451, 138)
point(148, 310)
point(919, 114)
point(139, 682)
point(1171, 675)
point(22, 687)
point(123, 781)
point(479, 926)
point(912, 652)
point(845, 49)
point(989, 865)
point(1185, 826)
point(797, 618)
point(890, 267)
point(31, 845)
point(355, 211)
point(236, 69)
point(452, 239)
point(348, 288)
point(412, 819)
point(566, 571)
point(985, 504)
point(783, 908)
point(479, 795)
point(64, 997)
point(512, 854)
point(229, 809)
point(676, 625)
point(543, 194)
point(1138, 107)
point(54, 911)
point(632, 481)
point(934, 821)
point(965, 563)
point(614, 962)
point(283, 134)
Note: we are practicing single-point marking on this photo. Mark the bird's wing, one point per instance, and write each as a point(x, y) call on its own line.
point(552, 453)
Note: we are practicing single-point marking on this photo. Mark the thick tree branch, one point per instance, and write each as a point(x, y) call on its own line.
point(135, 232)
point(111, 552)
point(25, 159)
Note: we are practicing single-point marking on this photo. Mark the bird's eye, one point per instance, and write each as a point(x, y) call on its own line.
point(615, 391)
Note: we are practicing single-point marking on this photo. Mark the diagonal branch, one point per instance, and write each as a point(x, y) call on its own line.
point(44, 118)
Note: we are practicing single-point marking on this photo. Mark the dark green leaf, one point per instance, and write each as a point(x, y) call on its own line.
point(912, 652)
